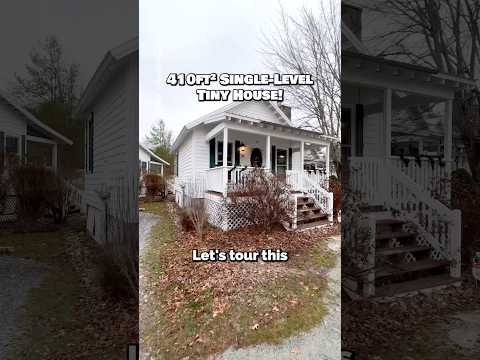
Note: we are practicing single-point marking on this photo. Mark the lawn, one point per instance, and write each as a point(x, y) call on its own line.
point(202, 308)
point(62, 319)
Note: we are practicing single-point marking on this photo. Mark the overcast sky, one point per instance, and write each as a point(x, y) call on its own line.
point(201, 37)
point(87, 29)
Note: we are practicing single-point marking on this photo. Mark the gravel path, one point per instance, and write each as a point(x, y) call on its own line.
point(147, 221)
point(17, 277)
point(320, 343)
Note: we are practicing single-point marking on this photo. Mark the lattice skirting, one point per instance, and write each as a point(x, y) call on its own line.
point(225, 215)
point(8, 213)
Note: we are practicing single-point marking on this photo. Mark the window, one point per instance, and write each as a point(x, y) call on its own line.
point(144, 166)
point(220, 153)
point(11, 145)
point(90, 136)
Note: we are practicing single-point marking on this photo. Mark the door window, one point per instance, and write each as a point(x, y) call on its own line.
point(282, 161)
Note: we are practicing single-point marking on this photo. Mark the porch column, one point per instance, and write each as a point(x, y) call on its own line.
point(302, 154)
point(388, 122)
point(448, 135)
point(225, 146)
point(54, 156)
point(268, 156)
point(224, 161)
point(327, 160)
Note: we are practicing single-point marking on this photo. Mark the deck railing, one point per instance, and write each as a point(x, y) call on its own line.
point(301, 181)
point(380, 182)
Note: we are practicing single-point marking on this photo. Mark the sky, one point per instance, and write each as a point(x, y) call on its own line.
point(199, 37)
point(86, 29)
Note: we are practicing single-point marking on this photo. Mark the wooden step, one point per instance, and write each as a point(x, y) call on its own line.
point(308, 209)
point(424, 283)
point(403, 268)
point(393, 235)
point(312, 224)
point(305, 202)
point(311, 217)
point(389, 222)
point(400, 250)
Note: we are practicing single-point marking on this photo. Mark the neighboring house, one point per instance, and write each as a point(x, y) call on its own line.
point(149, 162)
point(398, 141)
point(216, 151)
point(110, 108)
point(24, 137)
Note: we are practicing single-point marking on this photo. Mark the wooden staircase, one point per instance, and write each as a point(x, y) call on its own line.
point(308, 215)
point(404, 264)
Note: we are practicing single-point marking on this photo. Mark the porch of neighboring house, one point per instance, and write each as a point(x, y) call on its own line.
point(235, 150)
point(400, 147)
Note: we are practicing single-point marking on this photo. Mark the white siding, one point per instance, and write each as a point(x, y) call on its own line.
point(259, 110)
point(143, 155)
point(115, 141)
point(185, 159)
point(11, 123)
point(372, 136)
point(201, 150)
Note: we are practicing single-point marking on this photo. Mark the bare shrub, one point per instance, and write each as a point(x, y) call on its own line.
point(198, 216)
point(265, 198)
point(154, 184)
point(335, 187)
point(185, 220)
point(119, 270)
point(58, 197)
point(30, 184)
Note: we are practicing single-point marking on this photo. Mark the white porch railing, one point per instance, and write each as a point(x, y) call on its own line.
point(216, 179)
point(318, 177)
point(300, 180)
point(381, 183)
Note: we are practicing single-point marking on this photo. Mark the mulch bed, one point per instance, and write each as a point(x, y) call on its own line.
point(228, 278)
point(371, 328)
point(110, 323)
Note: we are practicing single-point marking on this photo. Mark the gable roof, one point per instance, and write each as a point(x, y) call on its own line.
point(111, 62)
point(153, 155)
point(226, 113)
point(33, 121)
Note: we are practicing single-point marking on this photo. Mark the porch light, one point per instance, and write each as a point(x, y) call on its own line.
point(242, 148)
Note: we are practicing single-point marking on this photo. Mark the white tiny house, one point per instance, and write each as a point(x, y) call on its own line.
point(216, 151)
point(149, 162)
point(110, 108)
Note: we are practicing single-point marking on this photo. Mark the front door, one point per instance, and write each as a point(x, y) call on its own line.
point(282, 162)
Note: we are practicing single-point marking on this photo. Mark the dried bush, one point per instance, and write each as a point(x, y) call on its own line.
point(30, 185)
point(58, 198)
point(119, 271)
point(465, 195)
point(335, 187)
point(198, 216)
point(4, 186)
point(185, 220)
point(154, 184)
point(266, 198)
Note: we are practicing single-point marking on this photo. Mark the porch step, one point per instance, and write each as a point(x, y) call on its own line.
point(313, 217)
point(409, 287)
point(411, 267)
point(312, 224)
point(393, 235)
point(400, 250)
point(390, 222)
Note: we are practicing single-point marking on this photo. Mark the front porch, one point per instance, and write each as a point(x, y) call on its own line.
point(399, 148)
point(235, 150)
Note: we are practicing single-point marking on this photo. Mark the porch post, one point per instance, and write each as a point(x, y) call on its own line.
point(388, 122)
point(302, 155)
point(327, 161)
point(224, 160)
point(268, 157)
point(54, 156)
point(448, 135)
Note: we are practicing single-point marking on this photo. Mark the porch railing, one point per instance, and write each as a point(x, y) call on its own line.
point(301, 181)
point(380, 182)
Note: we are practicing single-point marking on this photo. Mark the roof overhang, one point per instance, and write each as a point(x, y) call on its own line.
point(153, 155)
point(33, 121)
point(111, 63)
point(398, 75)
